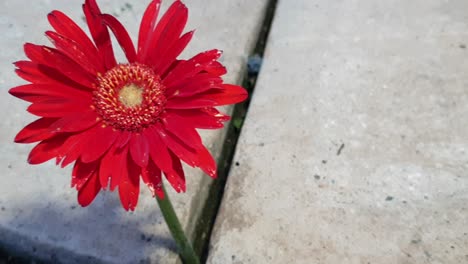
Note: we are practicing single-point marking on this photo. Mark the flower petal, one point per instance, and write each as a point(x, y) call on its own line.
point(189, 68)
point(158, 150)
point(183, 151)
point(122, 37)
point(42, 74)
point(98, 143)
point(177, 176)
point(69, 29)
point(176, 126)
point(168, 31)
point(147, 25)
point(129, 186)
point(229, 94)
point(106, 167)
point(99, 33)
point(139, 150)
point(206, 118)
point(194, 85)
point(73, 148)
point(185, 142)
point(123, 139)
point(57, 60)
point(36, 131)
point(75, 122)
point(36, 92)
point(74, 51)
point(89, 191)
point(151, 176)
point(47, 149)
point(120, 167)
point(163, 63)
point(155, 37)
point(57, 107)
point(206, 162)
point(82, 172)
point(216, 68)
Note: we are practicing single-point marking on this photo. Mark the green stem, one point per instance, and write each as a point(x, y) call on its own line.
point(186, 252)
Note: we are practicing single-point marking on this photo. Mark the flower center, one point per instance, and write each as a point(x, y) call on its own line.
point(129, 97)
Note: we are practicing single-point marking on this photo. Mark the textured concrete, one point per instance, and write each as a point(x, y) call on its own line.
point(355, 148)
point(39, 213)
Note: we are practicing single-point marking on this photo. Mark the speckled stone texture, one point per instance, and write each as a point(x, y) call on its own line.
point(39, 214)
point(355, 148)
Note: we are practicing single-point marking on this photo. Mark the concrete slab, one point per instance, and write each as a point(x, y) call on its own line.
point(355, 147)
point(39, 212)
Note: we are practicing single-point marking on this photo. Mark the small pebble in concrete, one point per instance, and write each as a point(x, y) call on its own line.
point(340, 149)
point(254, 64)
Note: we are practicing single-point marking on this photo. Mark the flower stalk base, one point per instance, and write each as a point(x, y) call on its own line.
point(186, 252)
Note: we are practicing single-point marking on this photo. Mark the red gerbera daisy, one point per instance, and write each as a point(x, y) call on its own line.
point(119, 121)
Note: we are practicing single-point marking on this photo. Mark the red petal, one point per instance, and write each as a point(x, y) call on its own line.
point(99, 141)
point(129, 186)
point(207, 163)
point(163, 63)
point(183, 151)
point(216, 68)
point(39, 73)
point(147, 26)
point(99, 33)
point(107, 166)
point(47, 149)
point(123, 139)
point(82, 172)
point(176, 126)
point(158, 150)
point(139, 149)
point(177, 177)
point(151, 176)
point(230, 94)
point(89, 191)
point(206, 118)
point(122, 36)
point(57, 107)
point(73, 50)
point(57, 60)
point(37, 92)
point(36, 131)
point(75, 122)
point(73, 147)
point(30, 72)
point(120, 167)
point(190, 103)
point(194, 154)
point(160, 27)
point(194, 85)
point(69, 29)
point(189, 68)
point(168, 31)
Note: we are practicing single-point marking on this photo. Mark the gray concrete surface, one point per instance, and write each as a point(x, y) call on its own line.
point(39, 213)
point(355, 148)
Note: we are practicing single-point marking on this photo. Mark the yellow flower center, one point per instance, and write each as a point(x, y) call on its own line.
point(131, 95)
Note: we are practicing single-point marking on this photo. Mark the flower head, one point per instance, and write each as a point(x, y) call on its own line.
point(118, 122)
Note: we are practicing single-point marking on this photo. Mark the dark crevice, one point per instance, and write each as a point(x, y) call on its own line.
point(204, 227)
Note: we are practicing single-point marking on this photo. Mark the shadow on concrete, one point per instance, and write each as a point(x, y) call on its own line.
point(61, 231)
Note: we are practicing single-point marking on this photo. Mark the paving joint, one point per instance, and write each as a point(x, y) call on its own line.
point(204, 225)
